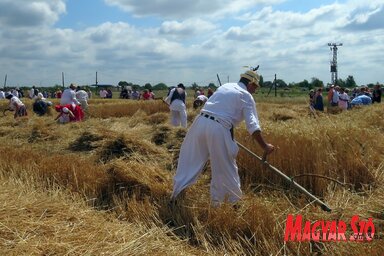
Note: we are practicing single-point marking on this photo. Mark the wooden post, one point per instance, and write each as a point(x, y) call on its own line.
point(62, 79)
point(218, 78)
point(5, 81)
point(275, 86)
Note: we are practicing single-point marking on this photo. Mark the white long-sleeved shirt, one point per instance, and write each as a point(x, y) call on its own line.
point(14, 103)
point(231, 104)
point(69, 97)
point(82, 95)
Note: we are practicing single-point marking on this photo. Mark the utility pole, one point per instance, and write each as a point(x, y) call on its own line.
point(333, 48)
point(62, 79)
point(273, 85)
point(5, 81)
point(96, 78)
point(275, 81)
point(218, 78)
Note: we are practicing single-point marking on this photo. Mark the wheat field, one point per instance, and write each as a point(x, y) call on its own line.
point(102, 186)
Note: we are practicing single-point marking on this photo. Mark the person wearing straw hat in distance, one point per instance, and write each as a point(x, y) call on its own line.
point(15, 104)
point(176, 102)
point(211, 137)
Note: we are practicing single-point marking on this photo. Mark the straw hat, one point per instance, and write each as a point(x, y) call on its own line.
point(251, 76)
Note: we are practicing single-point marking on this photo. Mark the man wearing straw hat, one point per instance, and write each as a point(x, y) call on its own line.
point(211, 137)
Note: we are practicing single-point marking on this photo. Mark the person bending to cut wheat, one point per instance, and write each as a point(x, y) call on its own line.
point(211, 137)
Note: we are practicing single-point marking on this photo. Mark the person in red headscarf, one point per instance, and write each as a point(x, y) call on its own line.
point(76, 115)
point(147, 95)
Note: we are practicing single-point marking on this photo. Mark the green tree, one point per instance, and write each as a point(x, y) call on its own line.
point(267, 84)
point(371, 85)
point(340, 82)
point(316, 83)
point(261, 82)
point(212, 86)
point(195, 86)
point(160, 86)
point(122, 84)
point(135, 87)
point(148, 86)
point(350, 82)
point(281, 83)
point(304, 84)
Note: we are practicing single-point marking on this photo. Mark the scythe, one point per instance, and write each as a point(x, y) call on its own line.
point(323, 205)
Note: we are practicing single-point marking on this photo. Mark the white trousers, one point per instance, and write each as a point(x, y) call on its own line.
point(208, 139)
point(179, 117)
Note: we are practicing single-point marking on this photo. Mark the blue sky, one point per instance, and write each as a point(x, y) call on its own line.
point(81, 14)
point(303, 5)
point(174, 41)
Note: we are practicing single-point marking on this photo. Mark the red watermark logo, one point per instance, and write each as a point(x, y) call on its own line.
point(356, 230)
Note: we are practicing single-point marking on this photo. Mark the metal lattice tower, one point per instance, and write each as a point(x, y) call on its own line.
point(333, 47)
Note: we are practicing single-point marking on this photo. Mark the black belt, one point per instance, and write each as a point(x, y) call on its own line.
point(209, 117)
point(214, 119)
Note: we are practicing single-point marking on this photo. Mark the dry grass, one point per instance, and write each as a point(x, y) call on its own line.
point(34, 222)
point(102, 186)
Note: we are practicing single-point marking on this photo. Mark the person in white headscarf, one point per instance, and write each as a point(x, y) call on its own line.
point(2, 94)
point(199, 101)
point(15, 104)
point(210, 137)
point(82, 97)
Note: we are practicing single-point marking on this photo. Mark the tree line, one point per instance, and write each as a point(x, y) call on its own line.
point(349, 82)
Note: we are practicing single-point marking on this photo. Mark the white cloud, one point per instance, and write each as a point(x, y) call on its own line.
point(30, 13)
point(169, 9)
point(187, 28)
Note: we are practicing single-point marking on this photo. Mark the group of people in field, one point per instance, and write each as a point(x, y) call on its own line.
point(339, 98)
point(210, 136)
point(73, 103)
point(176, 100)
point(134, 94)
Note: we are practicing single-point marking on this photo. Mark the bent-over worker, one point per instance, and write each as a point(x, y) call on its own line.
point(211, 137)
